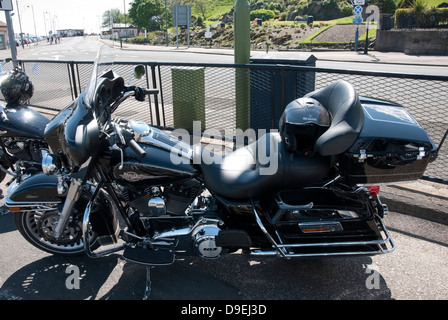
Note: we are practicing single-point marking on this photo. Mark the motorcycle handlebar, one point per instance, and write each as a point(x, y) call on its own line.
point(139, 93)
point(151, 91)
point(126, 138)
point(136, 148)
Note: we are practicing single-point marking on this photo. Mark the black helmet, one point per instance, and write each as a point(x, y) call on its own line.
point(16, 86)
point(302, 123)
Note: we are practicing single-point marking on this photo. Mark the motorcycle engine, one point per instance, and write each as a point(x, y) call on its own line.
point(176, 198)
point(205, 241)
point(24, 149)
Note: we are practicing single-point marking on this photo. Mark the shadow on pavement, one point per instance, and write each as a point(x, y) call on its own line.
point(231, 278)
point(110, 278)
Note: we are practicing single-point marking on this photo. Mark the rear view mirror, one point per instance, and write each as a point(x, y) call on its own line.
point(139, 71)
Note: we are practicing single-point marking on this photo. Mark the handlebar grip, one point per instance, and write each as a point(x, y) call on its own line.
point(136, 148)
point(151, 91)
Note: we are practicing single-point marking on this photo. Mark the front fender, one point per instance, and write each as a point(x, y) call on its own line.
point(38, 188)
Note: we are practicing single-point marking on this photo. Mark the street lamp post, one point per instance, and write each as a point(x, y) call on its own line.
point(51, 26)
point(166, 24)
point(125, 21)
point(12, 40)
point(20, 25)
point(45, 24)
point(34, 19)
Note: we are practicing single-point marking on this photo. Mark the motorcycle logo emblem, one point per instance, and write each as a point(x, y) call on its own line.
point(133, 176)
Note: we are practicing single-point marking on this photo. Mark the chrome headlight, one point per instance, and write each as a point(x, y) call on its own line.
point(50, 163)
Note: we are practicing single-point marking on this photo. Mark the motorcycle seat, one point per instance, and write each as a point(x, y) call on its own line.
point(347, 117)
point(258, 168)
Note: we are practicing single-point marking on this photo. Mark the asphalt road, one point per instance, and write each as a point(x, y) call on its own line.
point(85, 49)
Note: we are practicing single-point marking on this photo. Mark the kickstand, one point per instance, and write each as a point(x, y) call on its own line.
point(148, 283)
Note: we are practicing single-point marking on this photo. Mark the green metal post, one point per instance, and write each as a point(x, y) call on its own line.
point(241, 36)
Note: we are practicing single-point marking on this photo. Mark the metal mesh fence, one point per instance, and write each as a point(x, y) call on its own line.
point(425, 99)
point(230, 97)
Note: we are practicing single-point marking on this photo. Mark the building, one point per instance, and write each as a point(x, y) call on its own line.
point(124, 30)
point(70, 32)
point(3, 35)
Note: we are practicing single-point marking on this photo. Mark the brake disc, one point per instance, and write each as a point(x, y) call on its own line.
point(71, 235)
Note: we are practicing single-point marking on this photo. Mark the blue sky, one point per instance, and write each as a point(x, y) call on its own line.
point(63, 14)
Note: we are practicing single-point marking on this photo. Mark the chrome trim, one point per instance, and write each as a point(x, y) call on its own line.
point(86, 240)
point(266, 233)
point(73, 194)
point(421, 153)
point(140, 128)
point(10, 203)
point(50, 163)
point(184, 149)
point(385, 245)
point(156, 206)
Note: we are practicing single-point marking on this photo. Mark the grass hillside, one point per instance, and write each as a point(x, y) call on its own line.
point(280, 32)
point(283, 9)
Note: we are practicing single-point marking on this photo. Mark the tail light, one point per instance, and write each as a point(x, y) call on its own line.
point(374, 191)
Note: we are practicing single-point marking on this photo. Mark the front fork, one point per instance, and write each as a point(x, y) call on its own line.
point(73, 194)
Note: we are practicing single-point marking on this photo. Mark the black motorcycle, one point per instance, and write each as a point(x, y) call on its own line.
point(21, 127)
point(152, 196)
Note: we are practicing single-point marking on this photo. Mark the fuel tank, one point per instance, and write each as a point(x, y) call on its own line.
point(23, 121)
point(167, 159)
point(155, 169)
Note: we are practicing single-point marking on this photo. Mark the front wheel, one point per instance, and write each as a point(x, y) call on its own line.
point(3, 161)
point(37, 226)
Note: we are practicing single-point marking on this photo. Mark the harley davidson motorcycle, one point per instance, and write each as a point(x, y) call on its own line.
point(124, 185)
point(21, 127)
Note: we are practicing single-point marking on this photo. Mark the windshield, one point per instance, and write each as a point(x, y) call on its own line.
point(104, 62)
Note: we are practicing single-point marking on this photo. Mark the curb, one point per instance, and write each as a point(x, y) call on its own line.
point(421, 199)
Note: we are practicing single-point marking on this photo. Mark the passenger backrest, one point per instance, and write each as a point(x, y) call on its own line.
point(342, 101)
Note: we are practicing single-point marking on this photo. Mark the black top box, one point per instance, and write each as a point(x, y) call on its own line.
point(391, 147)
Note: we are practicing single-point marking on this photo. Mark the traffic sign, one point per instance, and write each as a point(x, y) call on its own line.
point(357, 10)
point(358, 2)
point(208, 33)
point(6, 5)
point(357, 19)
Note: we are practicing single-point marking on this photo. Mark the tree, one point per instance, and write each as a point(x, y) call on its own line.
point(142, 12)
point(386, 6)
point(202, 6)
point(111, 16)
